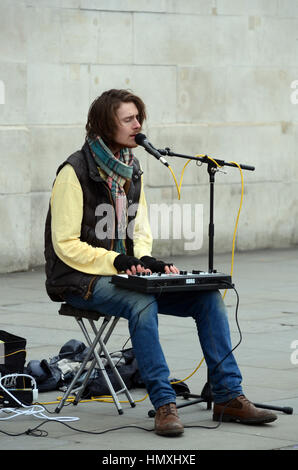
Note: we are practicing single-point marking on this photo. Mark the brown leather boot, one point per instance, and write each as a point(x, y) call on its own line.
point(241, 410)
point(167, 422)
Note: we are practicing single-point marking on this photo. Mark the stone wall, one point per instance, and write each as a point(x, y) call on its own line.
point(216, 76)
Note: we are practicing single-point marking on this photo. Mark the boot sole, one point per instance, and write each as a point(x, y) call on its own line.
point(170, 432)
point(235, 419)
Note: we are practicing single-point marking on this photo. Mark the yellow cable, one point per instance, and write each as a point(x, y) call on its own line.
point(237, 220)
point(183, 170)
point(101, 398)
point(180, 183)
point(108, 398)
point(190, 375)
point(12, 353)
point(178, 189)
point(176, 382)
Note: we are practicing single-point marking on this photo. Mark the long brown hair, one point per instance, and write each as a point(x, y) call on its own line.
point(102, 113)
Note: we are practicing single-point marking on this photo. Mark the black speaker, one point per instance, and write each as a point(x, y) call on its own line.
point(12, 353)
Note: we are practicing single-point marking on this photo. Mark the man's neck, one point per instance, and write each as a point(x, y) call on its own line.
point(115, 150)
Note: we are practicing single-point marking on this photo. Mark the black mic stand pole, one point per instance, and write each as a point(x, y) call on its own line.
point(211, 171)
point(212, 168)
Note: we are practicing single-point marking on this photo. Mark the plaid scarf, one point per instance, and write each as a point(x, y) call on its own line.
point(117, 170)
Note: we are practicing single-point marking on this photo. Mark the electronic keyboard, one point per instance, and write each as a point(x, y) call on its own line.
point(184, 281)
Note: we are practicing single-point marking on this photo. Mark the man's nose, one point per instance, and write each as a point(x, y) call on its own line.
point(136, 124)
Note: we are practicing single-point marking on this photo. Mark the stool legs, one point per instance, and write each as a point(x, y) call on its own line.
point(117, 375)
point(101, 343)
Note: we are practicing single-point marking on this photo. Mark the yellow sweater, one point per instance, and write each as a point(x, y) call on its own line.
point(67, 214)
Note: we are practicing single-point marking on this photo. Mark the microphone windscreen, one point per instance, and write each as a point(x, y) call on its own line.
point(139, 138)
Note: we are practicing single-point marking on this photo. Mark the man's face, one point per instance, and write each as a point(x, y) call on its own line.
point(127, 126)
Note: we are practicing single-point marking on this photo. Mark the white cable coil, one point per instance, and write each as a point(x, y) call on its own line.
point(28, 410)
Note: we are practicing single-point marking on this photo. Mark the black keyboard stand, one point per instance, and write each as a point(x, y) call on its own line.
point(212, 168)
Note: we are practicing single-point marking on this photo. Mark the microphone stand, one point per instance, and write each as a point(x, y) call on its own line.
point(206, 394)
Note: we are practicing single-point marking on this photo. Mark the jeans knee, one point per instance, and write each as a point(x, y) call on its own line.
point(143, 311)
point(214, 300)
point(211, 308)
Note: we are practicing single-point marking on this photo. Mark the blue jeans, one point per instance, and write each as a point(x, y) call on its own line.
point(141, 310)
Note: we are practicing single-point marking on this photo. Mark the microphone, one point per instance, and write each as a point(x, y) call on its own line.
point(142, 140)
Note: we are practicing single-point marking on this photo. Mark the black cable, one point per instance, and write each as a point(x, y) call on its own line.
point(211, 427)
point(36, 432)
point(238, 327)
point(97, 432)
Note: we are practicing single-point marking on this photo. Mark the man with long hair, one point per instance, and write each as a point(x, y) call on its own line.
point(97, 226)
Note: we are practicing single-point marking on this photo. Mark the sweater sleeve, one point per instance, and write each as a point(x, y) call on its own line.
point(67, 215)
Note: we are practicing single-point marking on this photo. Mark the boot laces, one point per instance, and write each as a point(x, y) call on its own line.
point(168, 409)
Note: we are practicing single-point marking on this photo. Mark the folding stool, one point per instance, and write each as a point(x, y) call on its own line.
point(99, 341)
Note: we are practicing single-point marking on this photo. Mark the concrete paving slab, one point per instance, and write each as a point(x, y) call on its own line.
point(268, 317)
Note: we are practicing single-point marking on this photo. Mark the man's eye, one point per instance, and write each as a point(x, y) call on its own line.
point(127, 120)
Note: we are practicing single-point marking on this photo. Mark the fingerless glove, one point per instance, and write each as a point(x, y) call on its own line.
point(123, 262)
point(156, 266)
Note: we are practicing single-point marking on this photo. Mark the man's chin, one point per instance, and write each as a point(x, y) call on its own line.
point(132, 146)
